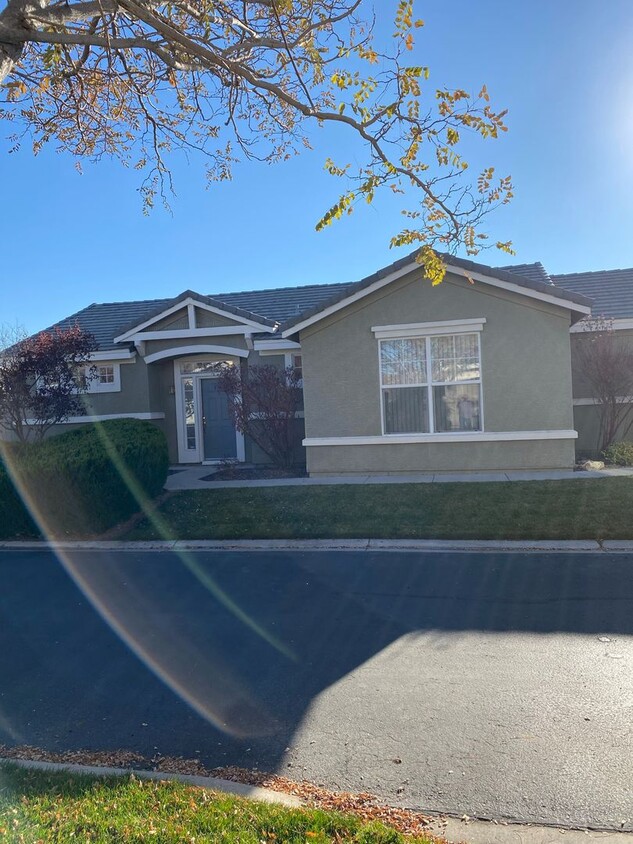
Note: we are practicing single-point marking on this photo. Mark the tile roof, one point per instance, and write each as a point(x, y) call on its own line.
point(481, 269)
point(610, 291)
point(106, 321)
point(286, 305)
point(535, 271)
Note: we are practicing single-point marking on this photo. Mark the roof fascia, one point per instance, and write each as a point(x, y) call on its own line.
point(183, 304)
point(408, 268)
point(348, 300)
point(620, 324)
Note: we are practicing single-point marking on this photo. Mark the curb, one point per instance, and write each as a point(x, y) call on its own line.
point(419, 545)
point(252, 792)
point(473, 831)
point(468, 830)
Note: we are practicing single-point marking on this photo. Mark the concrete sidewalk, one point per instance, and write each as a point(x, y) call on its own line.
point(456, 831)
point(191, 477)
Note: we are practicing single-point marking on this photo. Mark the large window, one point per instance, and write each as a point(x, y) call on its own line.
point(431, 384)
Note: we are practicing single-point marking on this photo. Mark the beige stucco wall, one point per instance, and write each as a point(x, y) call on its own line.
point(178, 320)
point(209, 319)
point(235, 341)
point(526, 375)
point(133, 396)
point(440, 457)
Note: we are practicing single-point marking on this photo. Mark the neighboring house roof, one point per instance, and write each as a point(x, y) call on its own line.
point(513, 279)
point(610, 291)
point(535, 271)
point(287, 305)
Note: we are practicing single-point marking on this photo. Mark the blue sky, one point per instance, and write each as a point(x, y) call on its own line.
point(564, 70)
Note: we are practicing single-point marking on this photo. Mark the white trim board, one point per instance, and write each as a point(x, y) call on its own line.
point(183, 333)
point(593, 401)
point(103, 417)
point(457, 437)
point(177, 351)
point(271, 346)
point(184, 305)
point(123, 355)
point(484, 279)
point(427, 329)
point(615, 324)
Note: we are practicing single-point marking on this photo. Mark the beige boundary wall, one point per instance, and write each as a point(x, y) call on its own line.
point(526, 383)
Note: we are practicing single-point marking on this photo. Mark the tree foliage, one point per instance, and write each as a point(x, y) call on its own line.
point(138, 79)
point(264, 401)
point(42, 379)
point(605, 361)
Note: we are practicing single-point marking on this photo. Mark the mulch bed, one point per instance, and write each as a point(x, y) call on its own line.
point(363, 805)
point(268, 473)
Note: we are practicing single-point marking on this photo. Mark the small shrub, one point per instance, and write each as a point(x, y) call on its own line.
point(86, 480)
point(619, 454)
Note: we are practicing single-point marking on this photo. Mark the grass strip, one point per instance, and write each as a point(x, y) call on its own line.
point(41, 808)
point(567, 509)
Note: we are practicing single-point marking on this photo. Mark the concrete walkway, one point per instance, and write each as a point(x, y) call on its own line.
point(191, 477)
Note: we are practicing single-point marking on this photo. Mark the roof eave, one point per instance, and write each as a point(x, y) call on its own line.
point(257, 322)
point(577, 304)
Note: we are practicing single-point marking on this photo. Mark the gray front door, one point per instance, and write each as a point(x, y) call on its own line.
point(217, 425)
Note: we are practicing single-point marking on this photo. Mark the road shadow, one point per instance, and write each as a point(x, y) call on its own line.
point(217, 656)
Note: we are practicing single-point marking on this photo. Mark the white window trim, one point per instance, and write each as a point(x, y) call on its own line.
point(95, 386)
point(452, 437)
point(415, 330)
point(429, 384)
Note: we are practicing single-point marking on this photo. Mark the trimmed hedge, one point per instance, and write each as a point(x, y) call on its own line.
point(83, 481)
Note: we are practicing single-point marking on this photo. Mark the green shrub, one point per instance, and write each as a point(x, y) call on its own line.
point(86, 480)
point(15, 522)
point(620, 454)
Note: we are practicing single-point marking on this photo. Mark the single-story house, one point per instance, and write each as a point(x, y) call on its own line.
point(398, 376)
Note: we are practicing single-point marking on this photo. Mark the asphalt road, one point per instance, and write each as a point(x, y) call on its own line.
point(494, 685)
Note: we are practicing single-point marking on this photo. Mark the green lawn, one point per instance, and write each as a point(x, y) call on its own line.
point(573, 509)
point(42, 808)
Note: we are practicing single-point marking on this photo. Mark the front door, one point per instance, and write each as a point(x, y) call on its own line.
point(218, 430)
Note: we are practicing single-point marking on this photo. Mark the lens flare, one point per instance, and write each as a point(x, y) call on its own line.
point(201, 677)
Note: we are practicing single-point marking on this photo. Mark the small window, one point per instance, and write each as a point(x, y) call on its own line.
point(190, 413)
point(104, 378)
point(105, 374)
point(297, 367)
